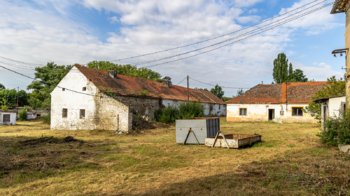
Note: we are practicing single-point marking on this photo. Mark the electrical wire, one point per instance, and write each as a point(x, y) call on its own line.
point(267, 29)
point(218, 43)
point(219, 85)
point(142, 55)
point(181, 81)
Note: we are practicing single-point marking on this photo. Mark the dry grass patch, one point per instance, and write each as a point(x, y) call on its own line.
point(289, 161)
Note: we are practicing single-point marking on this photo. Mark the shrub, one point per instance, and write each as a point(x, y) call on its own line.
point(139, 123)
point(4, 108)
point(22, 115)
point(336, 131)
point(186, 110)
point(46, 119)
point(27, 108)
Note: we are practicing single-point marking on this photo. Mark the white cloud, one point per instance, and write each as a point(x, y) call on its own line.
point(113, 19)
point(319, 72)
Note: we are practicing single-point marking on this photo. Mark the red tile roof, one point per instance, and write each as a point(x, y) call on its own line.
point(128, 85)
point(294, 92)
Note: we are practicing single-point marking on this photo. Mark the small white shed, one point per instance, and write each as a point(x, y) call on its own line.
point(331, 107)
point(7, 118)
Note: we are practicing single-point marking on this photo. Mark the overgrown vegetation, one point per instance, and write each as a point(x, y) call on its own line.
point(46, 119)
point(22, 115)
point(336, 130)
point(144, 93)
point(4, 108)
point(185, 110)
point(333, 88)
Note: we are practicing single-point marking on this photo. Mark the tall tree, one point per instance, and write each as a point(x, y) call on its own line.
point(280, 68)
point(2, 86)
point(128, 70)
point(217, 91)
point(298, 76)
point(290, 73)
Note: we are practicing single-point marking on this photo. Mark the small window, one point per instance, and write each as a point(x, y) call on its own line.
point(82, 113)
point(6, 118)
point(84, 88)
point(281, 112)
point(63, 89)
point(297, 112)
point(64, 113)
point(243, 111)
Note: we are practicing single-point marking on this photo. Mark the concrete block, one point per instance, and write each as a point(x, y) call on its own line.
point(344, 148)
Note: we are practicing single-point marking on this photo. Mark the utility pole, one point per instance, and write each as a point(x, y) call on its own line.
point(188, 88)
point(17, 98)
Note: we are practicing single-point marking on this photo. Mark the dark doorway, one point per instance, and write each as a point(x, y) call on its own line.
point(271, 114)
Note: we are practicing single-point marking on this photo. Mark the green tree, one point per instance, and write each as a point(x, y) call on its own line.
point(128, 70)
point(240, 92)
point(225, 98)
point(2, 86)
point(298, 76)
point(334, 87)
point(280, 69)
point(217, 91)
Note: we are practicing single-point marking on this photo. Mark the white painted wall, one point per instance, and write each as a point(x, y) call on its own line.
point(100, 113)
point(259, 112)
point(210, 109)
point(12, 118)
point(334, 106)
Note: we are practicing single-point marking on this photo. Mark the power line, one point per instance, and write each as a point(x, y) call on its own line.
point(219, 85)
point(218, 43)
point(30, 64)
point(182, 81)
point(264, 30)
point(213, 37)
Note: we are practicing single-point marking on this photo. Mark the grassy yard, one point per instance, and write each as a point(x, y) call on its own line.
point(289, 161)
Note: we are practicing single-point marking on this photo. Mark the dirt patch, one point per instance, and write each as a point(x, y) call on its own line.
point(45, 140)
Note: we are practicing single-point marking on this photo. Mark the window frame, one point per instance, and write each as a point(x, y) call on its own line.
point(301, 109)
point(80, 113)
point(246, 111)
point(7, 115)
point(64, 111)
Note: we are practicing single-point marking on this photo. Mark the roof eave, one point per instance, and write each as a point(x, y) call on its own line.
point(335, 7)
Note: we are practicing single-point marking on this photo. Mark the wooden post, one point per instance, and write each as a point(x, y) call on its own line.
point(17, 98)
point(188, 88)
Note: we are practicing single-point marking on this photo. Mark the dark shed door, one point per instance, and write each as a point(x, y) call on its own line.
point(6, 118)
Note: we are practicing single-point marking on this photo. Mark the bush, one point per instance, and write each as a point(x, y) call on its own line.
point(139, 123)
point(27, 108)
point(186, 110)
point(4, 108)
point(336, 131)
point(46, 119)
point(22, 115)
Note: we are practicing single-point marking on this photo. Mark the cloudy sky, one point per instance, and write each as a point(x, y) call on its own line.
point(79, 31)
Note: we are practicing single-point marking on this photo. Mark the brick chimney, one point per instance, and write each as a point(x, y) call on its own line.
point(167, 81)
point(113, 73)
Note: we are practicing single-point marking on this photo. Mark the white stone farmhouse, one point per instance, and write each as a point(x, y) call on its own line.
point(283, 102)
point(90, 99)
point(332, 107)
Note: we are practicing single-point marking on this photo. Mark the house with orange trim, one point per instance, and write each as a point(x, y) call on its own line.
point(280, 102)
point(90, 99)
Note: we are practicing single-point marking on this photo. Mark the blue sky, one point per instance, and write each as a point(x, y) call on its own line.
point(78, 31)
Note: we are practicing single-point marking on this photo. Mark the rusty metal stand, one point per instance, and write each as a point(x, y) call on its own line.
point(216, 138)
point(188, 134)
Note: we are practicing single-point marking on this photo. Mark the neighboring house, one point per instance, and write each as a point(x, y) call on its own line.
point(7, 118)
point(90, 106)
point(343, 6)
point(332, 107)
point(284, 102)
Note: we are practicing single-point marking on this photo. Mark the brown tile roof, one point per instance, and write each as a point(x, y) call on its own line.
point(297, 92)
point(128, 85)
